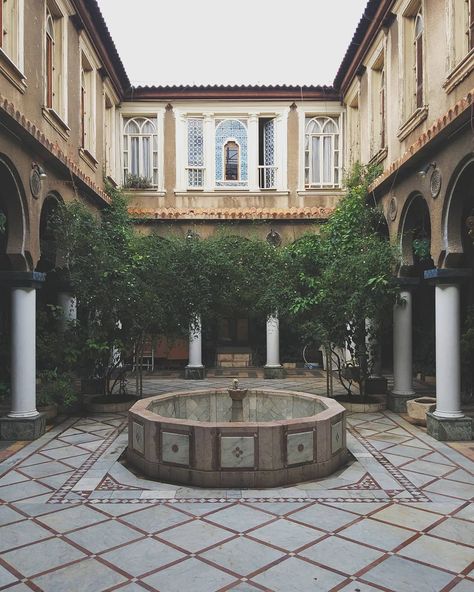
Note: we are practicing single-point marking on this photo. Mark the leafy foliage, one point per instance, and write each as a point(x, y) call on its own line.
point(344, 275)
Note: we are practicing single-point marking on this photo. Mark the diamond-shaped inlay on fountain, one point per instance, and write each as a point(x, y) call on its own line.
point(238, 438)
point(237, 452)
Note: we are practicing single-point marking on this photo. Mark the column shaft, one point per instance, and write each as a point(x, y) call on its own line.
point(23, 353)
point(68, 304)
point(195, 346)
point(403, 345)
point(273, 342)
point(448, 355)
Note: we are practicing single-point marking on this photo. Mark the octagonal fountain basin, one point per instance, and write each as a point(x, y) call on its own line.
point(202, 438)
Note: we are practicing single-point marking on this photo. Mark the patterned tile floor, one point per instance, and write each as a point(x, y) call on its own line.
point(397, 518)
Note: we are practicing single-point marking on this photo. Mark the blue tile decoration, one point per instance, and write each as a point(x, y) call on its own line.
point(231, 129)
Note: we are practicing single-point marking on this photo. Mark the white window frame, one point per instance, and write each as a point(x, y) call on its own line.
point(58, 11)
point(153, 148)
point(12, 53)
point(308, 147)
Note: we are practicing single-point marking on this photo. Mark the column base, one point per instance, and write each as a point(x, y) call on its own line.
point(22, 428)
point(271, 372)
point(397, 402)
point(194, 373)
point(449, 429)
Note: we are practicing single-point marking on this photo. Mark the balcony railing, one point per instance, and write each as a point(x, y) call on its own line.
point(267, 177)
point(195, 177)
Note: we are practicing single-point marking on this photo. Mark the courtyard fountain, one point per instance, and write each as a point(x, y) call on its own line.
point(237, 437)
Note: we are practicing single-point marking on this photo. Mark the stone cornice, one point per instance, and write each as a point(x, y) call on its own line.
point(308, 213)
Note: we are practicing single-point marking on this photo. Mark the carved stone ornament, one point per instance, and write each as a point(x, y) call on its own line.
point(393, 208)
point(274, 238)
point(435, 183)
point(35, 182)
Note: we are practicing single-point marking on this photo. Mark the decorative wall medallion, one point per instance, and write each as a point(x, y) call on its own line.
point(175, 448)
point(138, 437)
point(274, 238)
point(336, 437)
point(35, 182)
point(299, 448)
point(393, 208)
point(435, 183)
point(237, 452)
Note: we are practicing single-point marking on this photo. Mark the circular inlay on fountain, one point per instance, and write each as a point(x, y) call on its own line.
point(236, 437)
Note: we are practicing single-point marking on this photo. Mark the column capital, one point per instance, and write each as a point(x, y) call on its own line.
point(22, 279)
point(448, 275)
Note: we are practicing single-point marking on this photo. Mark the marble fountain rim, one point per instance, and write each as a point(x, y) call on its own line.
point(333, 409)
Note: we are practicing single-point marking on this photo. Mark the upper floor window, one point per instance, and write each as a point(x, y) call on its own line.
point(322, 166)
point(231, 153)
point(9, 28)
point(49, 59)
point(109, 136)
point(195, 168)
point(353, 129)
point(377, 105)
point(470, 23)
point(87, 105)
point(231, 161)
point(418, 61)
point(140, 153)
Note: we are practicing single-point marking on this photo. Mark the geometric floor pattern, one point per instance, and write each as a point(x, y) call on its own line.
point(397, 518)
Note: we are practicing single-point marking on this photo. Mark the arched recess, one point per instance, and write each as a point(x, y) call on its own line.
point(15, 217)
point(415, 236)
point(415, 242)
point(458, 217)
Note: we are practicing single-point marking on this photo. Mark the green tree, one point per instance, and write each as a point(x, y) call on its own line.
point(344, 276)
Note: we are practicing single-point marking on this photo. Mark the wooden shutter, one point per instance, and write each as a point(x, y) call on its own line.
point(83, 116)
point(471, 24)
point(419, 71)
point(382, 110)
point(49, 72)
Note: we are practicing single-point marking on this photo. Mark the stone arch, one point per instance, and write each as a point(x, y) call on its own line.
point(458, 206)
point(415, 225)
point(13, 205)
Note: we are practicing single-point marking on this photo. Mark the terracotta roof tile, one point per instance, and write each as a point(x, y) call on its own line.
point(307, 213)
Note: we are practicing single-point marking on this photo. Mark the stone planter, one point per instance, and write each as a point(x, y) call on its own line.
point(356, 406)
point(418, 408)
point(49, 411)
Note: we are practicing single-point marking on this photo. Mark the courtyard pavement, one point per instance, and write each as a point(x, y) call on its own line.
point(397, 518)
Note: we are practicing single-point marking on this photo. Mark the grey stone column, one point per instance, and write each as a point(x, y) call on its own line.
point(448, 422)
point(23, 422)
point(403, 348)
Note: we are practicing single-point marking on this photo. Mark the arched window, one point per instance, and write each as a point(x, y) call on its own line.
point(322, 167)
point(418, 48)
point(140, 153)
point(49, 59)
point(231, 161)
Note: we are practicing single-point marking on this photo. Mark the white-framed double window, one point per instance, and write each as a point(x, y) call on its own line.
point(140, 153)
point(322, 152)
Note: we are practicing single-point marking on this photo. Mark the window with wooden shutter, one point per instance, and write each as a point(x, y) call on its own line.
point(418, 42)
point(49, 59)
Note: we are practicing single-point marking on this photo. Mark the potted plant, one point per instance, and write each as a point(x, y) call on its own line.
point(54, 390)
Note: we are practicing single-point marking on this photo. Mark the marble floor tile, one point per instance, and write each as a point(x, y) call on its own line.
point(103, 536)
point(240, 517)
point(296, 575)
point(428, 468)
point(320, 517)
point(340, 554)
point(25, 533)
point(6, 577)
point(286, 535)
point(455, 530)
point(204, 577)
point(142, 556)
point(9, 515)
point(439, 553)
point(24, 490)
point(399, 574)
point(84, 575)
point(377, 534)
point(64, 520)
point(407, 517)
point(155, 518)
point(42, 556)
point(195, 535)
point(450, 488)
point(242, 556)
